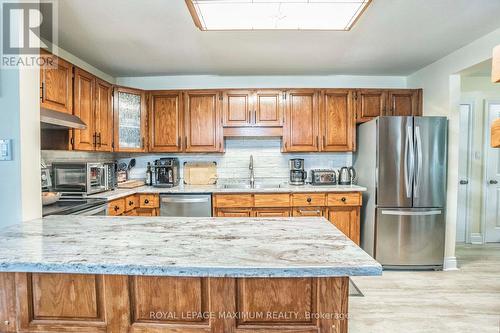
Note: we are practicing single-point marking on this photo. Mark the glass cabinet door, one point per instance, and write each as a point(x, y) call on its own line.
point(130, 134)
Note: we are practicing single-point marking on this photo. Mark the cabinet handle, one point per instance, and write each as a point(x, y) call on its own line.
point(255, 116)
point(130, 203)
point(309, 200)
point(116, 208)
point(146, 201)
point(317, 141)
point(42, 93)
point(324, 142)
point(95, 139)
point(343, 199)
point(179, 142)
point(309, 211)
point(100, 140)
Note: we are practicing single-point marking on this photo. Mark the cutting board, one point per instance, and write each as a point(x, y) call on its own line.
point(131, 184)
point(200, 173)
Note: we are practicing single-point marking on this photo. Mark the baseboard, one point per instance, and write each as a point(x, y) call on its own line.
point(476, 239)
point(450, 264)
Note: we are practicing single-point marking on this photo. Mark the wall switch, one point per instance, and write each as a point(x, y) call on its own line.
point(6, 150)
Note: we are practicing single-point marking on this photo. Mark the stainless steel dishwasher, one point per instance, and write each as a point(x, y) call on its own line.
point(190, 205)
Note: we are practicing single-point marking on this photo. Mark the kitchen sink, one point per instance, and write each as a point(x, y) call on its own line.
point(256, 186)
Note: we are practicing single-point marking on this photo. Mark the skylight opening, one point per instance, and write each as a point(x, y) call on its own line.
point(276, 14)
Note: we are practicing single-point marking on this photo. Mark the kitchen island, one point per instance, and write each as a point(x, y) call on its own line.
point(132, 274)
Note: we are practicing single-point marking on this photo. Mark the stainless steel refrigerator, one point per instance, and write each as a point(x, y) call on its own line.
point(403, 163)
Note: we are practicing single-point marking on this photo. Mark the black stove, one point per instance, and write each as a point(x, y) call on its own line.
point(74, 206)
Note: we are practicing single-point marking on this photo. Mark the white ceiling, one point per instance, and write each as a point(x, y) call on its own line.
point(158, 37)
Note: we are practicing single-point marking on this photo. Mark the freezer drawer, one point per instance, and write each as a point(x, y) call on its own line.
point(410, 237)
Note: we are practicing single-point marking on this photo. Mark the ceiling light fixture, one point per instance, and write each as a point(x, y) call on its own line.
point(276, 14)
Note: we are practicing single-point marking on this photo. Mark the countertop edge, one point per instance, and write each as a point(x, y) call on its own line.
point(231, 272)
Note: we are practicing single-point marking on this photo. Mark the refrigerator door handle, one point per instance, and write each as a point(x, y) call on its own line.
point(419, 161)
point(408, 213)
point(409, 154)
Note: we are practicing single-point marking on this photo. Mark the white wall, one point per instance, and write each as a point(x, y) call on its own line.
point(220, 82)
point(441, 84)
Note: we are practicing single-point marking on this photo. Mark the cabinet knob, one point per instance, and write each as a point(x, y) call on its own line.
point(130, 203)
point(309, 200)
point(116, 208)
point(6, 323)
point(146, 201)
point(343, 199)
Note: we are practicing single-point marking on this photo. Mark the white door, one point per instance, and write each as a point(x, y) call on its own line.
point(464, 169)
point(492, 204)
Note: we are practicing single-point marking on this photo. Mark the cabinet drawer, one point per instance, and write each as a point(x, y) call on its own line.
point(131, 213)
point(308, 212)
point(234, 213)
point(344, 199)
point(272, 200)
point(234, 200)
point(149, 201)
point(131, 202)
point(146, 212)
point(308, 199)
point(272, 212)
point(116, 207)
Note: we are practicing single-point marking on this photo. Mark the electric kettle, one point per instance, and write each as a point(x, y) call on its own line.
point(347, 175)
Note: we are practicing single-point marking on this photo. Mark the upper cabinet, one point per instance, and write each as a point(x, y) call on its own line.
point(56, 84)
point(130, 120)
point(93, 105)
point(203, 130)
point(262, 108)
point(337, 120)
point(300, 133)
point(371, 103)
point(165, 121)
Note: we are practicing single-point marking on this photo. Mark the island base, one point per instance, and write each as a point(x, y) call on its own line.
point(35, 302)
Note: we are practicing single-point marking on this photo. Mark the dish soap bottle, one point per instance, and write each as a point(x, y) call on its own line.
point(149, 175)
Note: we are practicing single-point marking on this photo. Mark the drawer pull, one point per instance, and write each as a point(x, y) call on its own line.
point(130, 203)
point(309, 211)
point(343, 199)
point(309, 200)
point(116, 208)
point(146, 201)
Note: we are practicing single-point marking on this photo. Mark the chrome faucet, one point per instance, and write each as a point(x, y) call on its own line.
point(252, 174)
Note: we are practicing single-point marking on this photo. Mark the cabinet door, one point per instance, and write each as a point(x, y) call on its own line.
point(346, 219)
point(130, 120)
point(403, 102)
point(56, 84)
point(307, 212)
point(146, 212)
point(301, 121)
point(268, 109)
point(370, 103)
point(234, 212)
point(237, 108)
point(272, 212)
point(85, 139)
point(165, 121)
point(202, 122)
point(337, 120)
point(104, 116)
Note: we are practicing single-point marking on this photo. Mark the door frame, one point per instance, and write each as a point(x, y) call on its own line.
point(486, 149)
point(468, 197)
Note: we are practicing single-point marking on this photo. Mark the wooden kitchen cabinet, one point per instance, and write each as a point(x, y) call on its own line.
point(237, 108)
point(165, 121)
point(116, 207)
point(84, 108)
point(130, 120)
point(228, 212)
point(301, 127)
point(131, 203)
point(403, 102)
point(370, 103)
point(103, 121)
point(337, 120)
point(346, 219)
point(146, 212)
point(56, 84)
point(203, 133)
point(268, 108)
point(271, 212)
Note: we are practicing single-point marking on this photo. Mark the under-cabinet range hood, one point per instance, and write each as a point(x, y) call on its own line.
point(59, 120)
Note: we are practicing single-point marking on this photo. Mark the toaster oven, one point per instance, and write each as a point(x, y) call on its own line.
point(83, 177)
point(323, 177)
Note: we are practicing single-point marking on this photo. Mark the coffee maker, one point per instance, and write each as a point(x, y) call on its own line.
point(166, 172)
point(297, 173)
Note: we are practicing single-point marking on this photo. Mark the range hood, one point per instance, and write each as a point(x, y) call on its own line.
point(59, 120)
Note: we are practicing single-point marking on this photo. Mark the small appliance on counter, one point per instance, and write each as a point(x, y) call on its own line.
point(323, 177)
point(166, 172)
point(298, 175)
point(347, 176)
point(83, 178)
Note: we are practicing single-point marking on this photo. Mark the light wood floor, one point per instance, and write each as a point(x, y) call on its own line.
point(461, 301)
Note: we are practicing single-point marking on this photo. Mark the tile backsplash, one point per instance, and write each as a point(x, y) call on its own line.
point(269, 161)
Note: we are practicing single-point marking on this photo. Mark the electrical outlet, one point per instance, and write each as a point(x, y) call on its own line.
point(6, 150)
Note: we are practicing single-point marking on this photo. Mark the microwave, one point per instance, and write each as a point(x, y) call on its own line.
point(83, 177)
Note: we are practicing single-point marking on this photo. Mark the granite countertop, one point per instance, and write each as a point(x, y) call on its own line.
point(172, 246)
point(284, 188)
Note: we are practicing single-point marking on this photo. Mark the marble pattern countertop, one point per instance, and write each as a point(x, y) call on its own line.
point(285, 188)
point(172, 246)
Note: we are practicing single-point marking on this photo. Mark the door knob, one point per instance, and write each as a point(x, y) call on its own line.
point(493, 182)
point(464, 182)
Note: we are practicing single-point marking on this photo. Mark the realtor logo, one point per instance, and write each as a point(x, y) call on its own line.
point(26, 27)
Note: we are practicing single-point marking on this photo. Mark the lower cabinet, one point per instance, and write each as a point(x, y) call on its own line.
point(135, 205)
point(272, 212)
point(346, 219)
